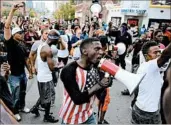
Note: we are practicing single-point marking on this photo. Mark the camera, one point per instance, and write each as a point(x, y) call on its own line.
point(3, 58)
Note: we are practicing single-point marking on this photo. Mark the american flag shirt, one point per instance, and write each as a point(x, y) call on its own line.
point(77, 114)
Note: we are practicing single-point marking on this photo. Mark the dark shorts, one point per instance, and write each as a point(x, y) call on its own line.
point(142, 117)
point(46, 91)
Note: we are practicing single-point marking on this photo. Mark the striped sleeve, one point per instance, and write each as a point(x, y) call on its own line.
point(71, 86)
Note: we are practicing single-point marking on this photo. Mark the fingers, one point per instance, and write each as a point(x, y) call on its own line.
point(104, 82)
point(5, 67)
point(16, 6)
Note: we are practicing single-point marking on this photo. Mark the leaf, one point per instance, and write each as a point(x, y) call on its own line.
point(66, 11)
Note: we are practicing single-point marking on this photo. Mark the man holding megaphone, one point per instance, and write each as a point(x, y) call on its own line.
point(149, 79)
point(82, 81)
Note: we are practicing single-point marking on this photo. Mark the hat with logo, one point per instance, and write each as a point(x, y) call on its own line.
point(15, 30)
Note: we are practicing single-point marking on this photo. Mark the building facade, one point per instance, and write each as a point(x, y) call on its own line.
point(84, 14)
point(40, 6)
point(152, 13)
point(58, 3)
point(134, 12)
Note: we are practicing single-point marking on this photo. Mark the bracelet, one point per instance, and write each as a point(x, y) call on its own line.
point(6, 27)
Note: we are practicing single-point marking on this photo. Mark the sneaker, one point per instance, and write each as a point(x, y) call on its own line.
point(17, 117)
point(35, 111)
point(25, 110)
point(50, 119)
point(103, 122)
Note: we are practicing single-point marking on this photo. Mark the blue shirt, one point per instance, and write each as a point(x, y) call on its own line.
point(74, 39)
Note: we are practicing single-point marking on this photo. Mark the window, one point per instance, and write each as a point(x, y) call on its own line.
point(161, 3)
point(116, 21)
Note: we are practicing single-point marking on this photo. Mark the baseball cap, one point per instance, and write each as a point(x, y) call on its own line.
point(15, 30)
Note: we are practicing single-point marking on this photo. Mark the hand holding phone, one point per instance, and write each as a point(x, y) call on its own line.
point(5, 69)
point(17, 6)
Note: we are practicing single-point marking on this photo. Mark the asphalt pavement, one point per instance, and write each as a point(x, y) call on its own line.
point(119, 111)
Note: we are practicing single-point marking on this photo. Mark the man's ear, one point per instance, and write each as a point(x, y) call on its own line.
point(147, 57)
point(84, 51)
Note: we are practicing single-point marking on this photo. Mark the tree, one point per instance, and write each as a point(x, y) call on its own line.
point(72, 2)
point(32, 13)
point(17, 13)
point(5, 12)
point(66, 11)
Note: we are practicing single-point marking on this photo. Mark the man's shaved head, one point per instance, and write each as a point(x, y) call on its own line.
point(53, 37)
point(54, 32)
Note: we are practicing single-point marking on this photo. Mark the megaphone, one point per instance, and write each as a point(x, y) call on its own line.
point(130, 80)
point(120, 48)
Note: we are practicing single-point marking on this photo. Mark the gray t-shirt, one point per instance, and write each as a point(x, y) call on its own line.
point(36, 45)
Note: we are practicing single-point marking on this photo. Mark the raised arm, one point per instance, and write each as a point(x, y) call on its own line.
point(7, 30)
point(165, 56)
point(63, 44)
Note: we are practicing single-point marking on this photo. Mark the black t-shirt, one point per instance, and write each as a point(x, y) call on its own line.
point(68, 77)
point(17, 55)
point(5, 94)
point(126, 39)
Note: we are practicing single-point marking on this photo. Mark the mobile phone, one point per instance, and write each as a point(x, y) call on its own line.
point(3, 59)
point(18, 5)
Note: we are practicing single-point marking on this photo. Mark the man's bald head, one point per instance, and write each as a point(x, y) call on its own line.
point(54, 32)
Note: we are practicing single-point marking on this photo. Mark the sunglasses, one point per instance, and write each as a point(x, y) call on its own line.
point(52, 37)
point(20, 32)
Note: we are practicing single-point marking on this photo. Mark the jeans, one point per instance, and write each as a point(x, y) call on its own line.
point(142, 117)
point(90, 120)
point(18, 85)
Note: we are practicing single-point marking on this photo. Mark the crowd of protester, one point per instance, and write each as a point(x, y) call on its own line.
point(43, 48)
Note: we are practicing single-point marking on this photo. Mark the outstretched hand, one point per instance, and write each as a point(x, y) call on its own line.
point(16, 7)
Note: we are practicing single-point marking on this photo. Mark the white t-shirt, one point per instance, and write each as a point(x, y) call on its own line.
point(64, 53)
point(150, 87)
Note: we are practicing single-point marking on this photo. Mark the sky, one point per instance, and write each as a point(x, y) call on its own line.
point(48, 4)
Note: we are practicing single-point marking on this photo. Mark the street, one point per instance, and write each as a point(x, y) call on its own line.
point(118, 112)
